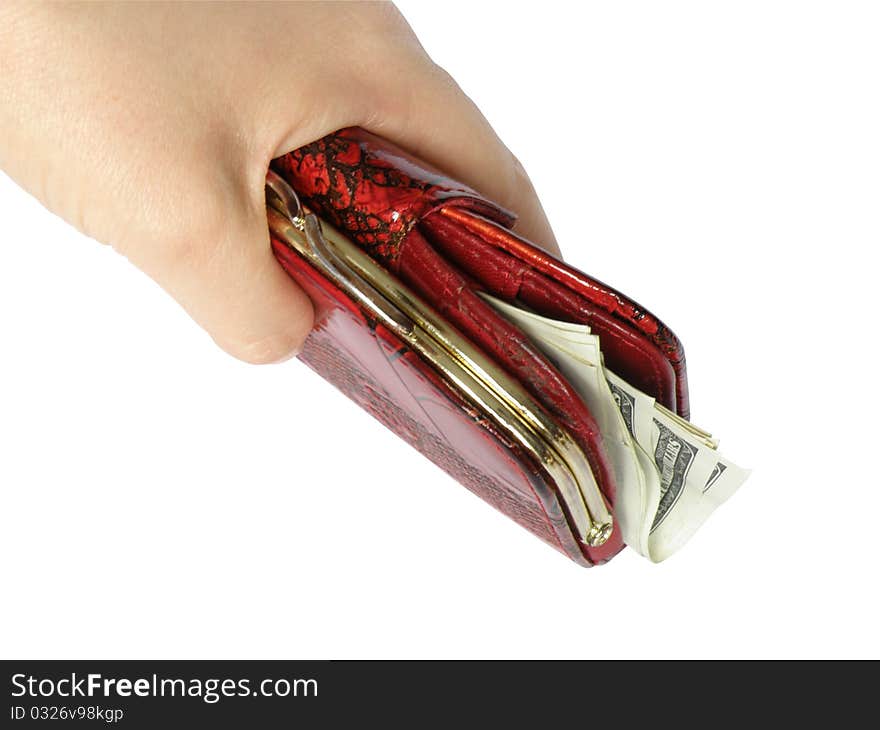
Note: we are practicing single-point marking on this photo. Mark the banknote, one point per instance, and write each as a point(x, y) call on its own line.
point(694, 477)
point(626, 404)
point(669, 473)
point(576, 353)
point(674, 458)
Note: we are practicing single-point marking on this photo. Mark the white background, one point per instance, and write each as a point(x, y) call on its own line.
point(719, 162)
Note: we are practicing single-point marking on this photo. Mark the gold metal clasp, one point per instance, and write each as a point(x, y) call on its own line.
point(389, 301)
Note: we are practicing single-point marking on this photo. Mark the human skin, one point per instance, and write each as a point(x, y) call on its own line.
point(150, 127)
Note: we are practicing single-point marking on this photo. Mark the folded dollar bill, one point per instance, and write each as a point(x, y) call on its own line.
point(669, 472)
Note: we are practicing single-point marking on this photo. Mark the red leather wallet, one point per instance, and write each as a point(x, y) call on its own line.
point(444, 244)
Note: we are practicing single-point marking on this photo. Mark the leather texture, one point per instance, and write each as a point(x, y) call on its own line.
point(380, 373)
point(446, 242)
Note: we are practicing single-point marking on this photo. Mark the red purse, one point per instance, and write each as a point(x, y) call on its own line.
point(391, 251)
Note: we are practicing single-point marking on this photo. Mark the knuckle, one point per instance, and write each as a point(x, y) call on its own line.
point(386, 21)
point(195, 230)
point(188, 249)
point(442, 78)
point(518, 184)
point(403, 99)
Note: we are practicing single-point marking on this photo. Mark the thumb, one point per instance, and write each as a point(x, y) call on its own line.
point(227, 278)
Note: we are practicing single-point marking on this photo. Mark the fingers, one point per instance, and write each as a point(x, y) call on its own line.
point(395, 91)
point(156, 137)
point(429, 115)
point(226, 277)
point(248, 304)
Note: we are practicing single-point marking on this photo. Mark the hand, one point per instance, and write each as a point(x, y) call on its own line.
point(150, 127)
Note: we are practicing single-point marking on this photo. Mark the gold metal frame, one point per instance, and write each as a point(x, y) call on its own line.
point(490, 389)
